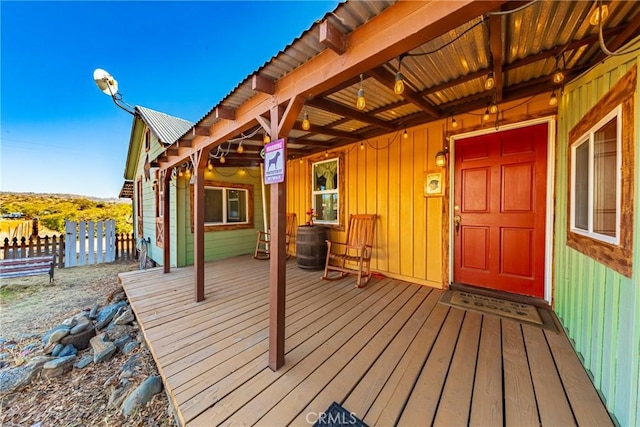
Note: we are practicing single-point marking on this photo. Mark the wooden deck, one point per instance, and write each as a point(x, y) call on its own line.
point(389, 353)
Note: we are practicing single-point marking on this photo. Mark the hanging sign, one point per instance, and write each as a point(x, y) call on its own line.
point(274, 162)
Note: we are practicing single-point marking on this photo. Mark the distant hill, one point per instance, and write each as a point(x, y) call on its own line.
point(53, 210)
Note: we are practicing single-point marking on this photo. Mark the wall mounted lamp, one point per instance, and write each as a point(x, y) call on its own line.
point(441, 157)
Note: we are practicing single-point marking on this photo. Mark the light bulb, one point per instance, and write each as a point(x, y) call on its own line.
point(209, 166)
point(242, 172)
point(493, 108)
point(306, 124)
point(266, 139)
point(553, 100)
point(362, 145)
point(398, 87)
point(222, 159)
point(405, 135)
point(558, 76)
point(454, 123)
point(486, 116)
point(188, 173)
point(326, 154)
point(240, 149)
point(180, 173)
point(361, 103)
point(599, 14)
point(490, 82)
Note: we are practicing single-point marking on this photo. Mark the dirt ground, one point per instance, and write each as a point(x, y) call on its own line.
point(31, 305)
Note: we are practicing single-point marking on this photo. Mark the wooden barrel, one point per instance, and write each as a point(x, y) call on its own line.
point(311, 247)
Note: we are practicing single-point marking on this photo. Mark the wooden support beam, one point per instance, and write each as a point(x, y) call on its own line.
point(166, 212)
point(263, 84)
point(290, 115)
point(388, 79)
point(225, 113)
point(199, 131)
point(172, 151)
point(199, 164)
point(185, 143)
point(332, 37)
point(266, 125)
point(278, 258)
point(325, 104)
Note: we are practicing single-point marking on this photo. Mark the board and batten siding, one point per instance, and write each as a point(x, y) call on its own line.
point(598, 307)
point(224, 243)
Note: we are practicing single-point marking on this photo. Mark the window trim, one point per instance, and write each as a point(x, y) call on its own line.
point(588, 138)
point(226, 226)
point(339, 224)
point(337, 191)
point(616, 257)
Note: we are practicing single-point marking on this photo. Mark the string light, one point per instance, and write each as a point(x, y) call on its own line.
point(242, 172)
point(240, 149)
point(405, 135)
point(553, 100)
point(209, 165)
point(490, 82)
point(558, 75)
point(493, 108)
point(326, 154)
point(222, 159)
point(398, 87)
point(266, 138)
point(361, 145)
point(306, 124)
point(599, 14)
point(180, 173)
point(454, 123)
point(361, 103)
point(486, 116)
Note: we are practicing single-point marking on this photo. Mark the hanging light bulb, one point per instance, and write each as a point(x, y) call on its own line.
point(490, 82)
point(240, 149)
point(188, 172)
point(553, 100)
point(300, 161)
point(361, 145)
point(266, 138)
point(398, 87)
point(180, 173)
point(486, 116)
point(599, 14)
point(493, 108)
point(405, 135)
point(306, 124)
point(222, 159)
point(326, 154)
point(242, 172)
point(209, 166)
point(558, 76)
point(454, 123)
point(361, 102)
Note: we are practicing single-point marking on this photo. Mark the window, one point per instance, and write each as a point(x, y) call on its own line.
point(602, 178)
point(159, 194)
point(595, 177)
point(325, 183)
point(225, 206)
point(139, 211)
point(147, 140)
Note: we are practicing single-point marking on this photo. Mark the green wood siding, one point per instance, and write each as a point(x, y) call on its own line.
point(225, 243)
point(599, 308)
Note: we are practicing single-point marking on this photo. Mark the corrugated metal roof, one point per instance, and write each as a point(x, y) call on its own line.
point(167, 128)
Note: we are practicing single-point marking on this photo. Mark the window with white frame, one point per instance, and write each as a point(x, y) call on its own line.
point(596, 180)
point(226, 206)
point(325, 191)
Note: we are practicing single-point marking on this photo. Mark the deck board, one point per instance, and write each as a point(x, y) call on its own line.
point(389, 353)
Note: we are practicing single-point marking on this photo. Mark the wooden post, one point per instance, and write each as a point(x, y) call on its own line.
point(166, 251)
point(198, 224)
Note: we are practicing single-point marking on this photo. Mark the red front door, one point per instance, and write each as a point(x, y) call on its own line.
point(500, 205)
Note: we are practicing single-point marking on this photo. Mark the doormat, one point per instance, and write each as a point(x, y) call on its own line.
point(485, 304)
point(337, 416)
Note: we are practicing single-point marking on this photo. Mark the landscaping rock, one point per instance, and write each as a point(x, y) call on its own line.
point(102, 348)
point(107, 313)
point(116, 332)
point(130, 366)
point(81, 326)
point(124, 318)
point(129, 347)
point(119, 393)
point(68, 350)
point(84, 361)
point(46, 337)
point(58, 366)
point(16, 378)
point(80, 340)
point(93, 313)
point(57, 349)
point(142, 394)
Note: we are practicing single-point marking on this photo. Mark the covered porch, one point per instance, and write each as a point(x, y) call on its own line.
point(389, 353)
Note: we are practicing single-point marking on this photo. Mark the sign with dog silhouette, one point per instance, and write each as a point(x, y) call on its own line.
point(274, 162)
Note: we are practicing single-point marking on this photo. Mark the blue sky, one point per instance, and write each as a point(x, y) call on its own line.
point(60, 134)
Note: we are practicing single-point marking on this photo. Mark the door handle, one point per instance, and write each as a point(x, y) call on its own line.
point(456, 222)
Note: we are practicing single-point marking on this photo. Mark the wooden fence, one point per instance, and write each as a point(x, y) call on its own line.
point(125, 248)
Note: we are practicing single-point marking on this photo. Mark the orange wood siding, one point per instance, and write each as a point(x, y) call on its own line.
point(387, 179)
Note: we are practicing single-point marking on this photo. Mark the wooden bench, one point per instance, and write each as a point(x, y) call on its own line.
point(27, 267)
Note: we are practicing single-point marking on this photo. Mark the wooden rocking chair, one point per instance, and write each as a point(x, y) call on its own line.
point(262, 244)
point(357, 249)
